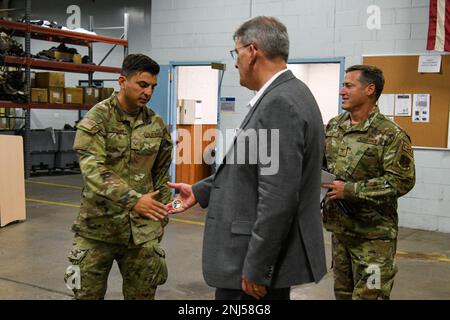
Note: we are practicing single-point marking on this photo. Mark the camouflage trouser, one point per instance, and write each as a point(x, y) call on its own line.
point(143, 268)
point(363, 269)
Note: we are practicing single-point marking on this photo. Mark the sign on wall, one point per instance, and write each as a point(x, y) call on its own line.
point(228, 104)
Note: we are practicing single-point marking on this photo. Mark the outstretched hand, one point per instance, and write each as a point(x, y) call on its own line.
point(186, 196)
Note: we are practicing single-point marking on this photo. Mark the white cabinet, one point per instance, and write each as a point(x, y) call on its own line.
point(189, 111)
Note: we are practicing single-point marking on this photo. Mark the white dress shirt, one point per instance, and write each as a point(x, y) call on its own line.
point(264, 87)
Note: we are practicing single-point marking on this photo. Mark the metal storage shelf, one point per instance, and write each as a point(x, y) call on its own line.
point(57, 66)
point(30, 31)
point(36, 105)
point(58, 35)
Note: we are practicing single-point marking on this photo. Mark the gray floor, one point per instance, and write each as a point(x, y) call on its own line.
point(33, 253)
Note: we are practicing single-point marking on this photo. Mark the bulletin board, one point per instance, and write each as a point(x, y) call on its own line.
point(401, 76)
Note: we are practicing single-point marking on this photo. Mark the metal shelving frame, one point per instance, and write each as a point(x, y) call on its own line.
point(29, 31)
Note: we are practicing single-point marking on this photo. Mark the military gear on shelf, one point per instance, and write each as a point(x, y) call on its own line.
point(86, 60)
point(11, 82)
point(12, 85)
point(43, 23)
point(59, 53)
point(9, 46)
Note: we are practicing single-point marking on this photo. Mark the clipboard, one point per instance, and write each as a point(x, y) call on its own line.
point(326, 177)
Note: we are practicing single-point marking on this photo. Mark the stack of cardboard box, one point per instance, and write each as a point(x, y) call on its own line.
point(93, 95)
point(49, 87)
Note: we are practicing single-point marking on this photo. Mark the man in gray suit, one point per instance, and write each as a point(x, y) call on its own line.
point(263, 229)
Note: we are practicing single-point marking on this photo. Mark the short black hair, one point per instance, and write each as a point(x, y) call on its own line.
point(138, 62)
point(370, 74)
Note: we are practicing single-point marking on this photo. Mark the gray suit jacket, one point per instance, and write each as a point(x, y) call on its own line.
point(268, 227)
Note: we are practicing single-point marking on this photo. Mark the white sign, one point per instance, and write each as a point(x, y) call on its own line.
point(386, 104)
point(421, 108)
point(198, 112)
point(227, 103)
point(402, 105)
point(430, 64)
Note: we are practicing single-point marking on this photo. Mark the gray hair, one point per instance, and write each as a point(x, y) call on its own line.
point(268, 33)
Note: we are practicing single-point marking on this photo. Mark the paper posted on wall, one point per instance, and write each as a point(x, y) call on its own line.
point(421, 108)
point(386, 104)
point(325, 178)
point(403, 105)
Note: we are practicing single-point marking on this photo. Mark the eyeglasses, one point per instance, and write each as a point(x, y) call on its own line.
point(234, 53)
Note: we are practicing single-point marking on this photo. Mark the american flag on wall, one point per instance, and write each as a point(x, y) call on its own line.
point(439, 26)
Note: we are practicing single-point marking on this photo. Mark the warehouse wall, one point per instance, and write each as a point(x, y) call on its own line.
point(427, 206)
point(323, 81)
point(201, 30)
point(105, 15)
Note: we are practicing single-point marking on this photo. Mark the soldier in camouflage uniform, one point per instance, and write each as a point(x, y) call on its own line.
point(125, 153)
point(374, 164)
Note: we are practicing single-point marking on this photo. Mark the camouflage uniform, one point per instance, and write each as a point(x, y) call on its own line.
point(122, 157)
point(375, 160)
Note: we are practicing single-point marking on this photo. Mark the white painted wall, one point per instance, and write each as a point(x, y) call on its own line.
point(427, 206)
point(323, 81)
point(201, 30)
point(324, 84)
point(200, 83)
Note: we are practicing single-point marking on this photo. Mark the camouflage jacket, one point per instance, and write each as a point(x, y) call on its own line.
point(121, 158)
point(375, 159)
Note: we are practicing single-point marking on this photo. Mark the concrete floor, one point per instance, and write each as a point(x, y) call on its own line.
point(33, 253)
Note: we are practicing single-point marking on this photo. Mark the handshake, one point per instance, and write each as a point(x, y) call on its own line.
point(149, 208)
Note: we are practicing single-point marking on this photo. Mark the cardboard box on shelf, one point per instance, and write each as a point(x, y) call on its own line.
point(39, 95)
point(62, 55)
point(105, 93)
point(50, 79)
point(76, 58)
point(56, 95)
point(59, 55)
point(33, 78)
point(90, 95)
point(73, 95)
